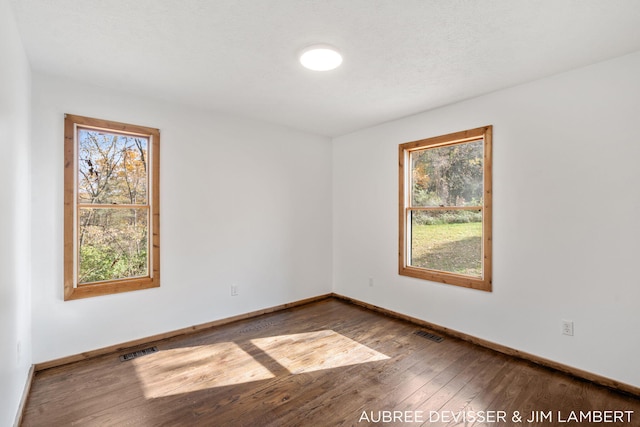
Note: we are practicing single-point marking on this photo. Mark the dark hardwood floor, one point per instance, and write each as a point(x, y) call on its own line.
point(328, 363)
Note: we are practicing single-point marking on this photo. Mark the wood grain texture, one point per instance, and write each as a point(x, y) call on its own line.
point(579, 373)
point(73, 290)
point(146, 341)
point(405, 208)
point(69, 206)
point(319, 364)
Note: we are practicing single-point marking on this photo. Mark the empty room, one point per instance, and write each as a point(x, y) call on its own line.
point(319, 213)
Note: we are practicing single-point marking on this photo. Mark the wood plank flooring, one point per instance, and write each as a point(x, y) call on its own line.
point(329, 363)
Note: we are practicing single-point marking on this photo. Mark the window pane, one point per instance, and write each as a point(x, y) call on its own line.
point(113, 244)
point(112, 168)
point(447, 240)
point(447, 176)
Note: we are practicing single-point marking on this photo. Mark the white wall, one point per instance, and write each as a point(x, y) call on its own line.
point(251, 204)
point(15, 308)
point(242, 203)
point(565, 227)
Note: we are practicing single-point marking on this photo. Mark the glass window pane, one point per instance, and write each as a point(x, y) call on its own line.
point(113, 244)
point(112, 168)
point(447, 240)
point(448, 176)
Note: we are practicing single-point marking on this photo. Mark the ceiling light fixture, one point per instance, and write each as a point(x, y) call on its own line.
point(320, 57)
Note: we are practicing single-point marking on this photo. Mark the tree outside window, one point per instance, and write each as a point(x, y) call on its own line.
point(111, 207)
point(445, 209)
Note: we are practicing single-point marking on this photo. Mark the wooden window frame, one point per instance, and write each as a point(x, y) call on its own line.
point(484, 283)
point(73, 290)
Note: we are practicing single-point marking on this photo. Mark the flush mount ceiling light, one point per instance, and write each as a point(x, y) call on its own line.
point(320, 57)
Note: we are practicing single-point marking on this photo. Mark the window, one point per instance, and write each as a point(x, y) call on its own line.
point(111, 207)
point(445, 209)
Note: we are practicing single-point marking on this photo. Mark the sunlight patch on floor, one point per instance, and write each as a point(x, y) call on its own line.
point(314, 351)
point(189, 369)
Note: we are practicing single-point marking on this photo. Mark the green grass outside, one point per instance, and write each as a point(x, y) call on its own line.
point(456, 248)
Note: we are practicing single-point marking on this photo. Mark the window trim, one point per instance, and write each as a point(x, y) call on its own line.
point(71, 289)
point(484, 283)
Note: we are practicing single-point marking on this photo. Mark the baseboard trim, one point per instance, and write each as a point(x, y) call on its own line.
point(578, 373)
point(575, 372)
point(25, 397)
point(184, 331)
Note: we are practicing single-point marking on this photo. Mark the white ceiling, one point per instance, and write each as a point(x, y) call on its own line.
point(401, 57)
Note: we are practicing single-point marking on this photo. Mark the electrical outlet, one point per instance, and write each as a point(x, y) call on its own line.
point(567, 327)
point(19, 351)
point(371, 281)
point(234, 290)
